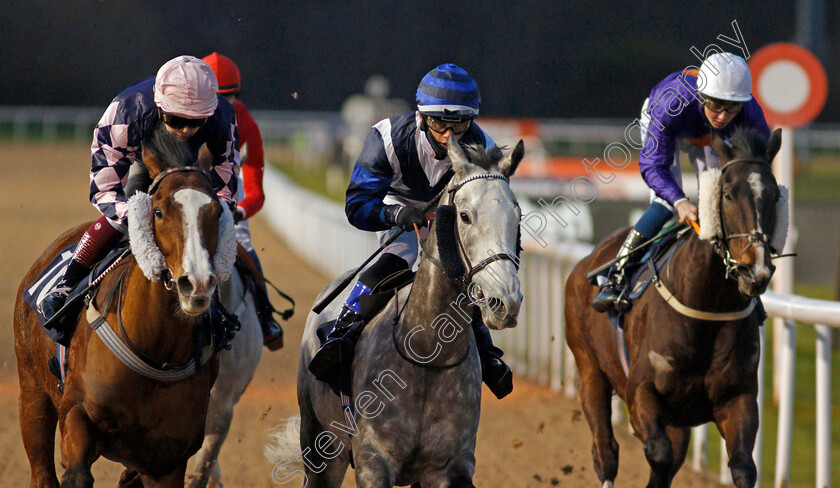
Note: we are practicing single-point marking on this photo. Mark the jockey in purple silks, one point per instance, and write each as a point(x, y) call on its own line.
point(686, 105)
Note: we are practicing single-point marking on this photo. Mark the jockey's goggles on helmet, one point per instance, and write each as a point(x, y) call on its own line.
point(441, 124)
point(177, 122)
point(717, 106)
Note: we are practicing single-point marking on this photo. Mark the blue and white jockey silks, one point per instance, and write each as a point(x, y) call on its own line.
point(132, 118)
point(674, 112)
point(398, 166)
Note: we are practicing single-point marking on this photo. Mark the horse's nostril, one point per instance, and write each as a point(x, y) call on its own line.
point(185, 285)
point(496, 305)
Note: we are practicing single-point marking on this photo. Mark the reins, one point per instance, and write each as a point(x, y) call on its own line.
point(408, 357)
point(463, 281)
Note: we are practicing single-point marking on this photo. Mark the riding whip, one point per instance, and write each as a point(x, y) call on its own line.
point(319, 307)
point(643, 245)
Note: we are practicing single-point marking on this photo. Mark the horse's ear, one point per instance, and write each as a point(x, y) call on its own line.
point(460, 163)
point(720, 146)
point(153, 164)
point(205, 159)
point(509, 163)
point(774, 144)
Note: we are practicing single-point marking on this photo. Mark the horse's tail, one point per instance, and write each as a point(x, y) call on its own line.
point(283, 451)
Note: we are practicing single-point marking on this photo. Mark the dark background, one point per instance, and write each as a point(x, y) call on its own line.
point(531, 58)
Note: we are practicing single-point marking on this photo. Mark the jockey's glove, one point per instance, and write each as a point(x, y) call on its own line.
point(404, 217)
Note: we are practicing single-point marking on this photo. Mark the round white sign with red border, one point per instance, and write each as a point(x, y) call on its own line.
point(789, 83)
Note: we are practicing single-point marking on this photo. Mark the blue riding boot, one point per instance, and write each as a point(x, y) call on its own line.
point(335, 344)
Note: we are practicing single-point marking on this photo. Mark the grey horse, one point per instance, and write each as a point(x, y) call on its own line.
point(416, 376)
point(236, 369)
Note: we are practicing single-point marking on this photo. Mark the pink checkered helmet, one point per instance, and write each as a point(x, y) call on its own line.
point(186, 86)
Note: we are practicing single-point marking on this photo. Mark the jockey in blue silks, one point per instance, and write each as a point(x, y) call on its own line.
point(403, 166)
point(686, 105)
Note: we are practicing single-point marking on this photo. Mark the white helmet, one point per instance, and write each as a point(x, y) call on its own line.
point(186, 86)
point(725, 76)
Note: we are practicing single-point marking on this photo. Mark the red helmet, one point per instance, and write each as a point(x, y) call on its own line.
point(226, 72)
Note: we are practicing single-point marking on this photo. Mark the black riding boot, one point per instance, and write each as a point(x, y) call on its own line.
point(335, 344)
point(610, 294)
point(53, 302)
point(271, 330)
point(494, 372)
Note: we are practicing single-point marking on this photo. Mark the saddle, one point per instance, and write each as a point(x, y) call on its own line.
point(639, 275)
point(61, 326)
point(370, 306)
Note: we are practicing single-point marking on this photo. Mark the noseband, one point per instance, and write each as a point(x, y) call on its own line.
point(467, 277)
point(721, 244)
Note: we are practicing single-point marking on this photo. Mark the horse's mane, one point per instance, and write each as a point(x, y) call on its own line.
point(747, 143)
point(168, 149)
point(482, 158)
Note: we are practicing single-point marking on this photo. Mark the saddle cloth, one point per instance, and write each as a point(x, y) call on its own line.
point(60, 327)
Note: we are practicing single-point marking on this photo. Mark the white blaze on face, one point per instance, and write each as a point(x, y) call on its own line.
point(755, 183)
point(196, 259)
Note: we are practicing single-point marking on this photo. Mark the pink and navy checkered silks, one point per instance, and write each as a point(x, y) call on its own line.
point(131, 118)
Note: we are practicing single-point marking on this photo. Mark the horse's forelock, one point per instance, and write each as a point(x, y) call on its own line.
point(484, 159)
point(170, 151)
point(746, 143)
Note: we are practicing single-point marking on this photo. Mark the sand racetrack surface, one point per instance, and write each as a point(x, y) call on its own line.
point(531, 438)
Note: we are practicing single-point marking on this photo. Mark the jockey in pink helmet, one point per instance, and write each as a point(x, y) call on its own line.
point(183, 97)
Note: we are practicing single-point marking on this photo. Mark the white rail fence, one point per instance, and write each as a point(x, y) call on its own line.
point(317, 230)
point(321, 131)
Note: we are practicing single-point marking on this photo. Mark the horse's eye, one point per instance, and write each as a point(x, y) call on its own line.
point(158, 214)
point(465, 218)
point(727, 196)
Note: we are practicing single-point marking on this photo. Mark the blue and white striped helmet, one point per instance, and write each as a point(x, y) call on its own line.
point(450, 92)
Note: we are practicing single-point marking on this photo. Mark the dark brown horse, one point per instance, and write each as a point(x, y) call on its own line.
point(182, 242)
point(698, 364)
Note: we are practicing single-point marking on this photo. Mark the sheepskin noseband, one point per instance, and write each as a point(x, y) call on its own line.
point(709, 210)
point(148, 255)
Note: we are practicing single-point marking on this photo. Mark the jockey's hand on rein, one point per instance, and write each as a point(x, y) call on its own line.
point(238, 216)
point(686, 211)
point(404, 217)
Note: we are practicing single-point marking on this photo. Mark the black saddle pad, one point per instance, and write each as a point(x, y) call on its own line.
point(640, 274)
point(60, 328)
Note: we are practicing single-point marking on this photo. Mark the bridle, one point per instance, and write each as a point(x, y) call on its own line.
point(166, 276)
point(721, 244)
point(467, 278)
point(163, 174)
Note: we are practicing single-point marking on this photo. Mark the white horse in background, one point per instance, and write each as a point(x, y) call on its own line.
point(236, 369)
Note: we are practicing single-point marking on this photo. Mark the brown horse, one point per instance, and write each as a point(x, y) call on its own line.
point(699, 364)
point(182, 242)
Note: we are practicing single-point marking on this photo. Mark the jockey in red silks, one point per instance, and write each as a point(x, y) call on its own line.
point(686, 105)
point(250, 197)
point(183, 97)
